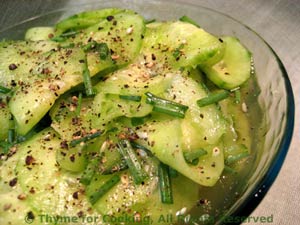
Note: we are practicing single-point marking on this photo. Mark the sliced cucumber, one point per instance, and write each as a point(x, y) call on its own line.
point(110, 106)
point(235, 67)
point(49, 76)
point(39, 33)
point(126, 195)
point(4, 122)
point(13, 54)
point(201, 126)
point(71, 159)
point(14, 211)
point(136, 79)
point(84, 19)
point(165, 141)
point(179, 44)
point(67, 120)
point(122, 33)
point(184, 190)
point(14, 206)
point(48, 189)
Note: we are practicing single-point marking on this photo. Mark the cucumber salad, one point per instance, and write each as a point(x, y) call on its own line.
point(109, 118)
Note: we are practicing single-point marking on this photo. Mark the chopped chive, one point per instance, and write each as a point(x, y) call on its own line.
point(69, 34)
point(49, 53)
point(5, 147)
point(113, 129)
point(86, 138)
point(63, 37)
point(177, 51)
point(79, 104)
point(11, 136)
point(87, 79)
point(229, 170)
point(136, 121)
point(188, 20)
point(213, 98)
point(165, 185)
point(102, 48)
point(173, 173)
point(165, 106)
point(237, 96)
point(138, 146)
point(150, 21)
point(193, 156)
point(4, 90)
point(58, 39)
point(117, 167)
point(90, 171)
point(104, 188)
point(88, 47)
point(133, 162)
point(234, 158)
point(135, 98)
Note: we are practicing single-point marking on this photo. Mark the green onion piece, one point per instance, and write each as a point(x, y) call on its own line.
point(87, 79)
point(138, 146)
point(102, 48)
point(79, 104)
point(89, 46)
point(11, 136)
point(193, 156)
point(213, 98)
point(90, 171)
point(86, 138)
point(150, 21)
point(229, 170)
point(136, 121)
point(69, 34)
point(173, 173)
point(58, 39)
point(133, 162)
point(135, 98)
point(237, 96)
point(104, 188)
point(234, 158)
point(188, 20)
point(165, 184)
point(165, 106)
point(177, 51)
point(5, 147)
point(117, 167)
point(4, 90)
point(113, 129)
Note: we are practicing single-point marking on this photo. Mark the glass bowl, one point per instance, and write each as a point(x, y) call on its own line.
point(275, 98)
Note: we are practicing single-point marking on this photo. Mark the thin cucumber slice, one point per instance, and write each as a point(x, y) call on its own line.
point(179, 44)
point(39, 33)
point(48, 189)
point(122, 33)
point(235, 67)
point(4, 122)
point(84, 19)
